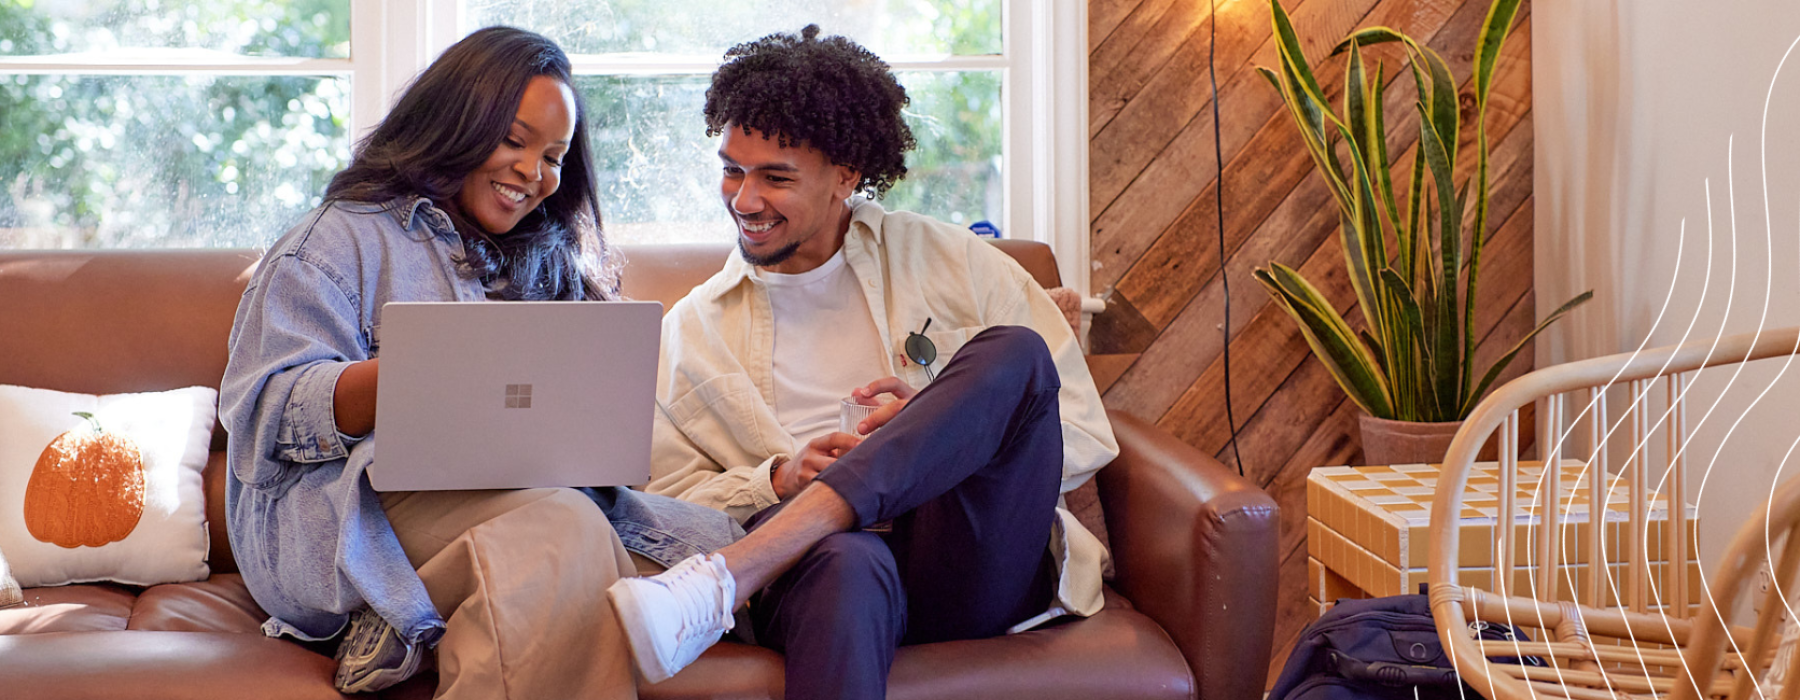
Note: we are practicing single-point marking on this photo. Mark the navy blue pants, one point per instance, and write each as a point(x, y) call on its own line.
point(968, 474)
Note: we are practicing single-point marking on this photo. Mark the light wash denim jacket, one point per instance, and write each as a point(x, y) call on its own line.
point(310, 536)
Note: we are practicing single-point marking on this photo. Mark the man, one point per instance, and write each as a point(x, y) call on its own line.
point(943, 522)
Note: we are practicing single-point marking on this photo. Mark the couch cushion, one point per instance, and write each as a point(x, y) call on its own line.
point(1118, 653)
point(1035, 257)
point(87, 608)
point(219, 555)
point(665, 273)
point(1115, 654)
point(218, 604)
point(156, 665)
point(118, 321)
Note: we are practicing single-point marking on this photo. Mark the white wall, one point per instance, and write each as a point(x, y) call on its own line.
point(1635, 104)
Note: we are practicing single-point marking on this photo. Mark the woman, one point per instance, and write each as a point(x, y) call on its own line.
point(477, 186)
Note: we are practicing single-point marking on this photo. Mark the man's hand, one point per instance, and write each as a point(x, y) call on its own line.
point(865, 395)
point(793, 475)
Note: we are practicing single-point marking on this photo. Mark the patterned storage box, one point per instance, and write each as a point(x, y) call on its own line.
point(1368, 530)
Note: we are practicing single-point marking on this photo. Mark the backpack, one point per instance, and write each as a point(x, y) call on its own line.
point(1379, 649)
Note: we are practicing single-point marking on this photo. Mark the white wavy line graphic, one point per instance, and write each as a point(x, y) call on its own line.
point(1768, 234)
point(1640, 402)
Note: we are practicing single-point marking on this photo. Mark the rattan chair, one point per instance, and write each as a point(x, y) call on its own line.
point(1625, 637)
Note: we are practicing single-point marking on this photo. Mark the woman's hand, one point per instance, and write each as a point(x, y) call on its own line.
point(793, 475)
point(865, 395)
point(353, 399)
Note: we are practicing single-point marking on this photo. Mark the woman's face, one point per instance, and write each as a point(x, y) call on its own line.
point(527, 166)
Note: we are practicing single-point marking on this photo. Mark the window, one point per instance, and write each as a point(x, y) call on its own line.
point(145, 123)
point(167, 123)
point(645, 66)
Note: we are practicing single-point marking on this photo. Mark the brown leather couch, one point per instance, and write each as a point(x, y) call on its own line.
point(1188, 615)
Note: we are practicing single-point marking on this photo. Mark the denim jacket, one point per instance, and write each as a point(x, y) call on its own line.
point(311, 538)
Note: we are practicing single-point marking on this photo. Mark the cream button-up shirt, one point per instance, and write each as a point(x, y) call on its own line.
point(716, 434)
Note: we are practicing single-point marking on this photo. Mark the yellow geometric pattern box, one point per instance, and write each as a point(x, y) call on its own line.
point(1368, 529)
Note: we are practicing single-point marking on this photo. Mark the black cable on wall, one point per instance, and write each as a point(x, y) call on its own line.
point(1219, 208)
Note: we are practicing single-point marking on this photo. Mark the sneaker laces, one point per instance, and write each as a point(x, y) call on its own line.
point(364, 635)
point(373, 656)
point(706, 592)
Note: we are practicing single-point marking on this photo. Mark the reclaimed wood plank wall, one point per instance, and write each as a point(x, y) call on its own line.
point(1158, 346)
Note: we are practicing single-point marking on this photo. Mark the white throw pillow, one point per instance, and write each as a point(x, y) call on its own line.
point(10, 594)
point(92, 513)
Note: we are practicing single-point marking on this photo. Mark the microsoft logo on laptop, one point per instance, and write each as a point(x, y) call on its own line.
point(518, 396)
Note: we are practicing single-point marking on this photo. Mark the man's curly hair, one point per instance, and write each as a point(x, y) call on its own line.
point(829, 94)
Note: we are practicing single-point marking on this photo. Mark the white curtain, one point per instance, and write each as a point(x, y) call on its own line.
point(1639, 107)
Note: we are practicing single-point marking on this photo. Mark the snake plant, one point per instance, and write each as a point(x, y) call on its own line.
point(1414, 361)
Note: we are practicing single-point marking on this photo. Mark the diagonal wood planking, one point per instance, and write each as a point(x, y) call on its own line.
point(1155, 243)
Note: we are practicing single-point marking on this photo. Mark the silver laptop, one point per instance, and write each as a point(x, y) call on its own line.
point(515, 394)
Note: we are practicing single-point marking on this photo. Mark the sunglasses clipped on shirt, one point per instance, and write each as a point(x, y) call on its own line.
point(920, 349)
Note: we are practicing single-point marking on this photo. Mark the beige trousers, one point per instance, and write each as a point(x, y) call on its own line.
point(520, 578)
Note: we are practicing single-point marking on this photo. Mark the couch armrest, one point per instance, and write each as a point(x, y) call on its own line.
point(1194, 546)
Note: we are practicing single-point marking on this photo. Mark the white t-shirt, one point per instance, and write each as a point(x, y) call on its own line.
point(825, 345)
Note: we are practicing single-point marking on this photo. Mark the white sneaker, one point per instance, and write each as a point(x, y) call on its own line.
point(672, 617)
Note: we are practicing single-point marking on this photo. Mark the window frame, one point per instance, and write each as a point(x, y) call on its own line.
point(1043, 68)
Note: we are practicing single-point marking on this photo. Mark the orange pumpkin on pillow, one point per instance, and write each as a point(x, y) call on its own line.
point(87, 489)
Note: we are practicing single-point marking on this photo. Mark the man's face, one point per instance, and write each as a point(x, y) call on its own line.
point(788, 203)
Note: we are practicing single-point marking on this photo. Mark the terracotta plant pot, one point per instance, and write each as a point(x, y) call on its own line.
point(1404, 442)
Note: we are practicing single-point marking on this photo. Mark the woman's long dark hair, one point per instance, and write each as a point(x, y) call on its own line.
point(446, 124)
